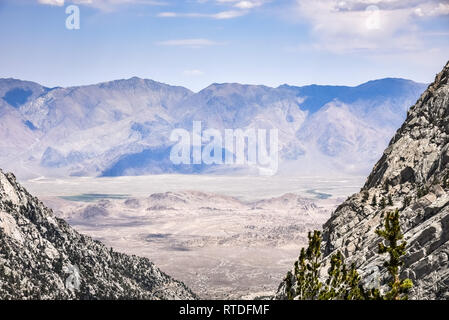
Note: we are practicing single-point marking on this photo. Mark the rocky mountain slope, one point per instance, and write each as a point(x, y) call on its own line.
point(42, 257)
point(414, 172)
point(123, 127)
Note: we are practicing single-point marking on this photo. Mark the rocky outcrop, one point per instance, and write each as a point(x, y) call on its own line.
point(42, 257)
point(414, 173)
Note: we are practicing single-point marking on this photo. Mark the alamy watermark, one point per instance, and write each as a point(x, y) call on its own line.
point(373, 21)
point(257, 148)
point(72, 22)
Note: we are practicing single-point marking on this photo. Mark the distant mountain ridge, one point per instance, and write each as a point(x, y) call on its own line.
point(122, 127)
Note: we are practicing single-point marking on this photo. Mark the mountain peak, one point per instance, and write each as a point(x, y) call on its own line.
point(425, 129)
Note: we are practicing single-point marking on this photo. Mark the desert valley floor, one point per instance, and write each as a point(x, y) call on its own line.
point(225, 237)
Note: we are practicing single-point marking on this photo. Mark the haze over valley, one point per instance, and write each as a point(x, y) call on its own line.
point(224, 237)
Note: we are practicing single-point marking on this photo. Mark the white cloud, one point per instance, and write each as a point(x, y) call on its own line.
point(354, 25)
point(167, 14)
point(219, 16)
point(191, 43)
point(105, 5)
point(237, 8)
point(248, 4)
point(242, 4)
point(52, 2)
point(228, 14)
point(431, 10)
point(193, 73)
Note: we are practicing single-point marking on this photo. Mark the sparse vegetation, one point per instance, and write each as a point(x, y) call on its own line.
point(396, 249)
point(422, 191)
point(343, 282)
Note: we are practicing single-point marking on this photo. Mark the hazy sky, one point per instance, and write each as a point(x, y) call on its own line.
point(198, 42)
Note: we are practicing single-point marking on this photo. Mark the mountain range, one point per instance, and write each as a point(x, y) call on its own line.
point(123, 127)
point(41, 256)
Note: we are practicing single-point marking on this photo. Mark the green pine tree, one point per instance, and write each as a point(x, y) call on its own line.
point(343, 283)
point(393, 245)
point(307, 270)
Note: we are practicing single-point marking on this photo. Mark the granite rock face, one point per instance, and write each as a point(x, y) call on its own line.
point(42, 257)
point(414, 173)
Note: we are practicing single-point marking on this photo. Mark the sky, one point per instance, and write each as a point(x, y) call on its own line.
point(195, 43)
